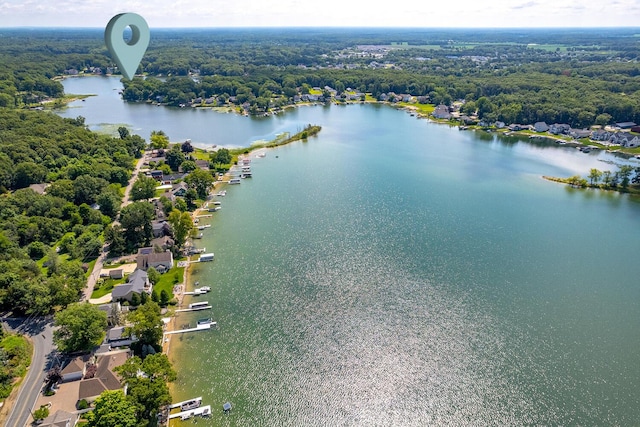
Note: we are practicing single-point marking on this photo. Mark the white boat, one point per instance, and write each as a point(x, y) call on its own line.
point(217, 203)
point(205, 288)
point(222, 193)
point(206, 321)
point(191, 404)
point(234, 181)
point(263, 154)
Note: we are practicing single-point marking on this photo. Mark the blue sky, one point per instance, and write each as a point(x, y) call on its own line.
point(278, 13)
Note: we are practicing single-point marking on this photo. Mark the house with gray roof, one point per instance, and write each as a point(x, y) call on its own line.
point(137, 282)
point(161, 261)
point(60, 418)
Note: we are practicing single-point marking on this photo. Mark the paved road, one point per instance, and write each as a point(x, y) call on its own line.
point(97, 267)
point(40, 331)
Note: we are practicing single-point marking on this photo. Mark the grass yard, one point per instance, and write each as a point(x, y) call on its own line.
point(169, 279)
point(105, 287)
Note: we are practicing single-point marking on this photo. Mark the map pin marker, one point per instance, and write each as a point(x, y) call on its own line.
point(127, 54)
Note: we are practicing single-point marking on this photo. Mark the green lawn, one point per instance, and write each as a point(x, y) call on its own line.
point(106, 287)
point(168, 279)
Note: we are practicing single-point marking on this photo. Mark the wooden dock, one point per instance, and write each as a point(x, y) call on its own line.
point(197, 328)
point(206, 307)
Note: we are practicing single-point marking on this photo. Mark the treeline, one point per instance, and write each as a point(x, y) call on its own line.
point(46, 240)
point(580, 77)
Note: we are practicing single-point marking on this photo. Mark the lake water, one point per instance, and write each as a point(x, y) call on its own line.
point(392, 271)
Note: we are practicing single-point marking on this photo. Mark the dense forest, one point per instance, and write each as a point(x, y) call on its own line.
point(579, 77)
point(48, 240)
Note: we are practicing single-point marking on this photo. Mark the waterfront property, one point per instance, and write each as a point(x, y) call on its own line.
point(494, 309)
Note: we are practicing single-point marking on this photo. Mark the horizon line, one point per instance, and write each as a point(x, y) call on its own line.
point(52, 27)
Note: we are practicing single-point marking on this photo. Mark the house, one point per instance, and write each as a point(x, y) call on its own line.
point(157, 175)
point(160, 228)
point(137, 283)
point(625, 125)
point(579, 133)
point(161, 261)
point(540, 127)
point(164, 243)
point(116, 337)
point(179, 190)
point(60, 418)
point(202, 164)
point(600, 135)
point(635, 129)
point(559, 128)
point(104, 378)
point(630, 141)
point(75, 369)
point(441, 112)
point(514, 127)
point(113, 311)
point(39, 188)
point(116, 273)
point(170, 179)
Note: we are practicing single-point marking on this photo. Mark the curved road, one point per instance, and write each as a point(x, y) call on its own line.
point(40, 331)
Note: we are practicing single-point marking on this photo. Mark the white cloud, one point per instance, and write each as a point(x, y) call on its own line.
point(415, 13)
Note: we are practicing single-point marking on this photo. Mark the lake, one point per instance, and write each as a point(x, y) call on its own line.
point(392, 271)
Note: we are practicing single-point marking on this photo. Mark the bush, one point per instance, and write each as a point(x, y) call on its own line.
point(82, 404)
point(41, 413)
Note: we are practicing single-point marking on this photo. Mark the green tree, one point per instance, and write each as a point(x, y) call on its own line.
point(164, 298)
point(109, 203)
point(188, 166)
point(123, 132)
point(146, 324)
point(81, 326)
point(175, 157)
point(41, 413)
point(113, 408)
point(148, 396)
point(594, 176)
point(153, 275)
point(143, 188)
point(222, 156)
point(603, 119)
point(159, 139)
point(201, 181)
point(181, 224)
point(135, 219)
point(625, 175)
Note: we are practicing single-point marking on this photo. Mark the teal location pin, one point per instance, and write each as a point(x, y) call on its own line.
point(127, 54)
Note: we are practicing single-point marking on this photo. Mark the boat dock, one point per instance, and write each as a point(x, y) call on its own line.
point(204, 216)
point(200, 327)
point(179, 404)
point(197, 291)
point(204, 307)
point(185, 415)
